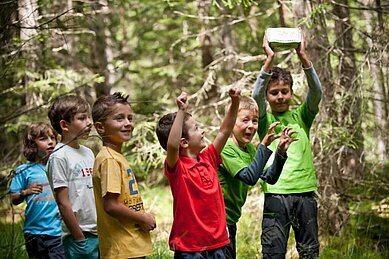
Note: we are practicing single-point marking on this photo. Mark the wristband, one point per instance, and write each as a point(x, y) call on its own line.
point(21, 194)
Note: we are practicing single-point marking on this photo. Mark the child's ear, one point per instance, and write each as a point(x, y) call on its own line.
point(99, 127)
point(184, 143)
point(64, 125)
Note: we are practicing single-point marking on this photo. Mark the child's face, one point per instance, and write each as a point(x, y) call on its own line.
point(195, 136)
point(46, 143)
point(118, 126)
point(80, 126)
point(246, 126)
point(279, 95)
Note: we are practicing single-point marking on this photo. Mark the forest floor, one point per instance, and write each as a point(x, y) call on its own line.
point(366, 236)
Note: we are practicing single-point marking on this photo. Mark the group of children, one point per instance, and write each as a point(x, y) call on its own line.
point(98, 199)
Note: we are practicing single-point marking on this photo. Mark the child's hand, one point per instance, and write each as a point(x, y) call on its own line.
point(266, 47)
point(148, 223)
point(33, 189)
point(285, 140)
point(301, 52)
point(270, 135)
point(234, 93)
point(182, 101)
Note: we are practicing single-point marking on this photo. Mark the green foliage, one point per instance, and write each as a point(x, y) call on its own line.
point(234, 3)
point(144, 153)
point(12, 241)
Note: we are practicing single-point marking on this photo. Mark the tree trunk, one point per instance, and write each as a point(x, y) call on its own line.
point(28, 14)
point(378, 83)
point(102, 53)
point(333, 212)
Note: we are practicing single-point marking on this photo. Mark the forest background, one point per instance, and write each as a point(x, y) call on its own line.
point(154, 50)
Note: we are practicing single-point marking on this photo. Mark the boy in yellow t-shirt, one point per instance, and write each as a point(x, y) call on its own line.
point(122, 222)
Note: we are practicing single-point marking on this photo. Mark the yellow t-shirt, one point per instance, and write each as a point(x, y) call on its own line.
point(111, 173)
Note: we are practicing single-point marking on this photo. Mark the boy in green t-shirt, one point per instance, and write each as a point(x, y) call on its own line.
point(243, 163)
point(292, 200)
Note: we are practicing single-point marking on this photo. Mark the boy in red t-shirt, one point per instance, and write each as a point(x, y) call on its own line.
point(199, 225)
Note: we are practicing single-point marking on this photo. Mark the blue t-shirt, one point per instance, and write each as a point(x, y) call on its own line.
point(42, 215)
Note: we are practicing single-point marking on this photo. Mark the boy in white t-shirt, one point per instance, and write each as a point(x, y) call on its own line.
point(70, 170)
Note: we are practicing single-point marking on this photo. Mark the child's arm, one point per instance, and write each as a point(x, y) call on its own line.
point(65, 208)
point(18, 197)
point(314, 87)
point(122, 213)
point(254, 171)
point(173, 142)
point(259, 92)
point(229, 120)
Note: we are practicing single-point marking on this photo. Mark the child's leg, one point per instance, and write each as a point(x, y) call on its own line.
point(306, 231)
point(54, 247)
point(276, 225)
point(231, 247)
point(218, 253)
point(31, 242)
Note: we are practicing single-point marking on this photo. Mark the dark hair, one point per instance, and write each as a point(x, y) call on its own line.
point(280, 74)
point(33, 132)
point(103, 106)
point(164, 126)
point(65, 108)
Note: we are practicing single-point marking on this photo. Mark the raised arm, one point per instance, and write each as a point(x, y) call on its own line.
point(314, 87)
point(173, 142)
point(259, 92)
point(228, 121)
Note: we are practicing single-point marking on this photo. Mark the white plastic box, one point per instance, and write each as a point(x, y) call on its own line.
point(283, 38)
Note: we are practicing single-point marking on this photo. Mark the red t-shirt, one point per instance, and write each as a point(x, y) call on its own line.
point(199, 222)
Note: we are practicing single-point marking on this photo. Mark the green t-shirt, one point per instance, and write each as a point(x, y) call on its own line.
point(234, 191)
point(298, 174)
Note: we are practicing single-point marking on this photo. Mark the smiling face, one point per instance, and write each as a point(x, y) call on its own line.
point(117, 127)
point(246, 126)
point(195, 137)
point(279, 95)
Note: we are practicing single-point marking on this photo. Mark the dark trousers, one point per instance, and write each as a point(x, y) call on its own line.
point(218, 253)
point(281, 211)
point(44, 246)
point(231, 247)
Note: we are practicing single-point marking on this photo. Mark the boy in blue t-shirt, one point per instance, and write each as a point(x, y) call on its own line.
point(42, 226)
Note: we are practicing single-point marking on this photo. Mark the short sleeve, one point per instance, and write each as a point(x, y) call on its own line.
point(56, 168)
point(110, 175)
point(232, 162)
point(19, 182)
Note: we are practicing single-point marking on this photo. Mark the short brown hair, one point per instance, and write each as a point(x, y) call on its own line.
point(65, 108)
point(247, 103)
point(33, 132)
point(165, 125)
point(102, 107)
point(280, 74)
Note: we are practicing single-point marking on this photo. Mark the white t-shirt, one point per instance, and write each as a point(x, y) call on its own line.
point(73, 168)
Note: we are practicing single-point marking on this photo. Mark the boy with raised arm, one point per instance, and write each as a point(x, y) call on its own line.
point(243, 164)
point(199, 226)
point(292, 200)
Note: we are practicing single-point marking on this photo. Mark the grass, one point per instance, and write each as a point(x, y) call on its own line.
point(367, 235)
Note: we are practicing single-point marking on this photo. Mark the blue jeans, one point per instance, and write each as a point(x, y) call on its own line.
point(282, 211)
point(218, 253)
point(82, 249)
point(44, 246)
